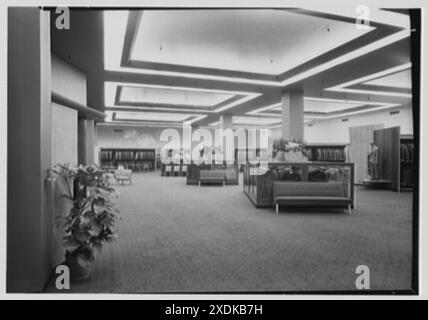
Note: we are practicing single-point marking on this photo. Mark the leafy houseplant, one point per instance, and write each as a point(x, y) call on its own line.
point(92, 219)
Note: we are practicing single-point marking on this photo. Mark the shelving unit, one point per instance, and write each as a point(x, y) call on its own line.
point(134, 159)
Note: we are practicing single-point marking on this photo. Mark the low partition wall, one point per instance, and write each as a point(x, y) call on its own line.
point(231, 172)
point(258, 182)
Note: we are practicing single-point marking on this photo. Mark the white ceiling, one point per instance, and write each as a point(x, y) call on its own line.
point(259, 41)
point(402, 79)
point(264, 41)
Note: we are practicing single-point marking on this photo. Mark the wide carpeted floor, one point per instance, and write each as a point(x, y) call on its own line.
point(179, 238)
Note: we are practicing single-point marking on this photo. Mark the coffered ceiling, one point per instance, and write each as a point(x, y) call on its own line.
point(163, 67)
point(263, 42)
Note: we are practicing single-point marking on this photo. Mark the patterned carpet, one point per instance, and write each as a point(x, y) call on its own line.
point(179, 238)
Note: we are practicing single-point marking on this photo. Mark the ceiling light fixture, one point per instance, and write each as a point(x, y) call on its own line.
point(259, 111)
point(343, 87)
point(110, 89)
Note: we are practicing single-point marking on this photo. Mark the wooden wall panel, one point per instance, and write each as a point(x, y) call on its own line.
point(388, 141)
point(360, 138)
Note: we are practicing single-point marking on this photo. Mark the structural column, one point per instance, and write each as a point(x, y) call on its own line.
point(226, 121)
point(86, 136)
point(292, 115)
point(29, 150)
point(226, 139)
point(91, 142)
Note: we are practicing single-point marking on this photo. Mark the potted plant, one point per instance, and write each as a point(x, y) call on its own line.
point(92, 219)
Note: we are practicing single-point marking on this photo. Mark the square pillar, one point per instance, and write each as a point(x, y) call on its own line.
point(226, 121)
point(29, 220)
point(292, 115)
point(86, 136)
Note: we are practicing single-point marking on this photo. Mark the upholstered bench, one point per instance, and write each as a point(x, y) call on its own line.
point(212, 176)
point(311, 194)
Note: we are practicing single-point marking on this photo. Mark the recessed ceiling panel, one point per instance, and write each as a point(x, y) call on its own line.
point(325, 105)
point(172, 96)
point(255, 121)
point(315, 105)
point(150, 116)
point(402, 79)
point(258, 41)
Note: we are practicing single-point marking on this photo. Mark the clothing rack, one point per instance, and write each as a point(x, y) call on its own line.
point(407, 159)
point(134, 159)
point(326, 152)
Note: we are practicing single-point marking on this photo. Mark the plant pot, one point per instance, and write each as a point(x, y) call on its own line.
point(77, 271)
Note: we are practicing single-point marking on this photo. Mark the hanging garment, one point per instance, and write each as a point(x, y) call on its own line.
point(374, 154)
point(404, 148)
point(411, 149)
point(290, 175)
point(369, 172)
point(317, 175)
point(318, 154)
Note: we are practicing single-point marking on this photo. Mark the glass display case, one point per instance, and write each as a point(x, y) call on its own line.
point(258, 181)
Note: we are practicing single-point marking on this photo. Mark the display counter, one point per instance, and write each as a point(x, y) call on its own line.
point(258, 182)
point(231, 172)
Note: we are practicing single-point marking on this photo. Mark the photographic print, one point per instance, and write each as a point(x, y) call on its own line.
point(213, 150)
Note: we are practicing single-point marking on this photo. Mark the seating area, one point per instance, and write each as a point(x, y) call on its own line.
point(310, 194)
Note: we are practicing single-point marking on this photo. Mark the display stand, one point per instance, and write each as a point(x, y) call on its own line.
point(231, 173)
point(258, 182)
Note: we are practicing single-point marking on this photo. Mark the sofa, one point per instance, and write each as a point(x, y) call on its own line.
point(311, 194)
point(212, 176)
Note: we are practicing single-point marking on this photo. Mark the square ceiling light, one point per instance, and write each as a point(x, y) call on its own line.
point(153, 95)
point(261, 121)
point(150, 116)
point(326, 105)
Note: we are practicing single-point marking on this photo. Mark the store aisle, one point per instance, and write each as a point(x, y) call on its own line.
point(179, 238)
